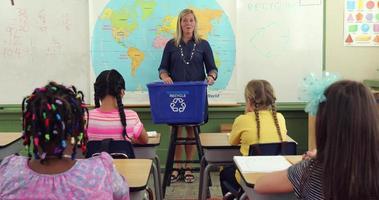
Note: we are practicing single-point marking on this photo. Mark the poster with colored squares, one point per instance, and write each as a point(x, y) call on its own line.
point(361, 23)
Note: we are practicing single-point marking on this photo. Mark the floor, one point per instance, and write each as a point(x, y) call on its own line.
point(189, 191)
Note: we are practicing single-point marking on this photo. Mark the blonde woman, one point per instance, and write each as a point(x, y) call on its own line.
point(187, 57)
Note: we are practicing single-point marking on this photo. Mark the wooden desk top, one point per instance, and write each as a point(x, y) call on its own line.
point(215, 140)
point(294, 159)
point(221, 140)
point(7, 138)
point(251, 178)
point(152, 141)
point(135, 171)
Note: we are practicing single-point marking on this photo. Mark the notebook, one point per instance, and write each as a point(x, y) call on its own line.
point(250, 164)
point(151, 133)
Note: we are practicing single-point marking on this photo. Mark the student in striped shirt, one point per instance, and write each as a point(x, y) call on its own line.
point(109, 119)
point(347, 159)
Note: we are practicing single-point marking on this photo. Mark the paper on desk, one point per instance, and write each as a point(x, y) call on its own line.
point(248, 164)
point(151, 133)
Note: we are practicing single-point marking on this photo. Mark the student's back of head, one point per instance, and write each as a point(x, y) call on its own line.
point(52, 115)
point(53, 126)
point(347, 140)
point(259, 96)
point(109, 82)
point(109, 90)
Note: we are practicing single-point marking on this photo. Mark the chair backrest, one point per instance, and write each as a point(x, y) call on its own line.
point(271, 149)
point(116, 148)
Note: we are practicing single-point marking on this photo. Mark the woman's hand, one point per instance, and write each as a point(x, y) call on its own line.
point(210, 80)
point(310, 154)
point(166, 78)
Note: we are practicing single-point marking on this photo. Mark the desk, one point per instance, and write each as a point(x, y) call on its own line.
point(217, 152)
point(136, 173)
point(249, 179)
point(147, 151)
point(10, 143)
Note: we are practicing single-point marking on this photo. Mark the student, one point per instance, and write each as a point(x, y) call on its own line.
point(376, 95)
point(347, 159)
point(53, 125)
point(260, 124)
point(187, 57)
point(110, 119)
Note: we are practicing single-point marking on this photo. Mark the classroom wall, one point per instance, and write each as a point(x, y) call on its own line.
point(357, 63)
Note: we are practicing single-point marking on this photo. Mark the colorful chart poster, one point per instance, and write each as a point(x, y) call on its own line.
point(361, 23)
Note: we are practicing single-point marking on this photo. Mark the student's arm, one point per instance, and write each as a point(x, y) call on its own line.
point(143, 138)
point(275, 182)
point(237, 128)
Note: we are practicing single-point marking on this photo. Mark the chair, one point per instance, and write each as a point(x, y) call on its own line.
point(118, 149)
point(272, 149)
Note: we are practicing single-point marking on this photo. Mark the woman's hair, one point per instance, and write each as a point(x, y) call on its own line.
point(51, 115)
point(347, 139)
point(261, 96)
point(111, 82)
point(179, 31)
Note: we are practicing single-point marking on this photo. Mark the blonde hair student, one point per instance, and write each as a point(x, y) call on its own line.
point(347, 159)
point(53, 124)
point(261, 123)
point(110, 119)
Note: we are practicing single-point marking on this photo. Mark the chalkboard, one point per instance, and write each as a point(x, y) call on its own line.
point(42, 40)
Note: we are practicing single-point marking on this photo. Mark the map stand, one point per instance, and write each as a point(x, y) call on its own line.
point(174, 140)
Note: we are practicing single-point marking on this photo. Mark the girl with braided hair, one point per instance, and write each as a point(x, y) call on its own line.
point(109, 119)
point(53, 126)
point(261, 123)
point(345, 165)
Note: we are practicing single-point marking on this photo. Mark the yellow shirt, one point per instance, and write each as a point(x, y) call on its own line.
point(244, 131)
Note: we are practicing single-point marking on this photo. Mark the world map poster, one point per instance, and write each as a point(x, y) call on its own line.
point(130, 36)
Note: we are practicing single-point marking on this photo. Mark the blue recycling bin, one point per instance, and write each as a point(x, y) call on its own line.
point(178, 103)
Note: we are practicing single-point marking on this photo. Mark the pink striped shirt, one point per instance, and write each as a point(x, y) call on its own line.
point(103, 125)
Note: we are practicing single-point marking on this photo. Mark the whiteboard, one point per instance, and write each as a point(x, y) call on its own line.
point(42, 40)
point(280, 41)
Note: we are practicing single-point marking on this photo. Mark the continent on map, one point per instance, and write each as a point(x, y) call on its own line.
point(122, 21)
point(204, 19)
point(125, 20)
point(137, 57)
point(160, 42)
point(147, 7)
point(168, 25)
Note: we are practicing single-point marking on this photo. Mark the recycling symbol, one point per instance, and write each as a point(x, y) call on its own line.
point(178, 105)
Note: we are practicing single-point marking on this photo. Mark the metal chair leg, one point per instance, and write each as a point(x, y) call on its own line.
point(170, 160)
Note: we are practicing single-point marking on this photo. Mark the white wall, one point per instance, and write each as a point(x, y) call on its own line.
point(357, 63)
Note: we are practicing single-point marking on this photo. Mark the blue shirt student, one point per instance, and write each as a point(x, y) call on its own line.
point(186, 62)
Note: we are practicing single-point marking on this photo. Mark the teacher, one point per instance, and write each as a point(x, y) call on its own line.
point(187, 57)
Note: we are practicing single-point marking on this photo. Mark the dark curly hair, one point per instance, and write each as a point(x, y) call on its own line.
point(51, 116)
